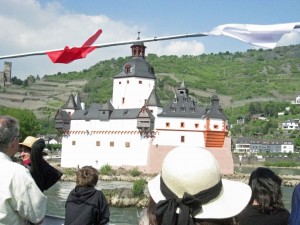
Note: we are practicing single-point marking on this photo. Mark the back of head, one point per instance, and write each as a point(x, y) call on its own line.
point(266, 189)
point(87, 176)
point(9, 130)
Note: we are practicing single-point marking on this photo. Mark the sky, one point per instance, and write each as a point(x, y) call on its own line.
point(32, 25)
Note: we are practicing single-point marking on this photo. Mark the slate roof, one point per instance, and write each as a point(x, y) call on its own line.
point(153, 99)
point(77, 101)
point(182, 106)
point(101, 112)
point(70, 104)
point(62, 115)
point(215, 110)
point(139, 68)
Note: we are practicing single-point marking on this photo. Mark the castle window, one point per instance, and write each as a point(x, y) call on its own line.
point(73, 142)
point(182, 139)
point(123, 100)
point(127, 81)
point(173, 109)
point(185, 99)
point(192, 109)
point(182, 124)
point(127, 68)
point(167, 124)
point(216, 126)
point(111, 144)
point(196, 125)
point(127, 144)
point(175, 100)
point(120, 82)
point(183, 109)
point(140, 82)
point(97, 143)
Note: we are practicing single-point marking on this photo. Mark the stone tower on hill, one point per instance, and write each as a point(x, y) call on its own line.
point(5, 75)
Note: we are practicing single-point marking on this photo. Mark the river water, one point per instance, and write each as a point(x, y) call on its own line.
point(58, 193)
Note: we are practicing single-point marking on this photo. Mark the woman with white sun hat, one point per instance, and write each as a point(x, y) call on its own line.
point(190, 190)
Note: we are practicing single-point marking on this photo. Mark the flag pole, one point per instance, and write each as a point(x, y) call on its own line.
point(105, 45)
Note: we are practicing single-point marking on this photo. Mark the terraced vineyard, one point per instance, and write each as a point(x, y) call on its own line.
point(42, 97)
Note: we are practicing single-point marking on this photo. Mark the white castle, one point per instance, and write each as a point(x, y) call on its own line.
point(133, 130)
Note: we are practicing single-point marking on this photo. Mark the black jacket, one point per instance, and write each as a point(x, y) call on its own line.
point(251, 215)
point(42, 172)
point(86, 206)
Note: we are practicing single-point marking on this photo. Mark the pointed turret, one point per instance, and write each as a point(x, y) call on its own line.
point(153, 99)
point(78, 101)
point(182, 89)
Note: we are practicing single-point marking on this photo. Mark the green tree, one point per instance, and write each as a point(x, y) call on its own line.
point(29, 124)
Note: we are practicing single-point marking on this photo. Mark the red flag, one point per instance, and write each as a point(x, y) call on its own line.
point(70, 54)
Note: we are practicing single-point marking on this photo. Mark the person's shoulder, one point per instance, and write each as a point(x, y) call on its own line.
point(99, 193)
point(286, 212)
point(20, 171)
point(14, 166)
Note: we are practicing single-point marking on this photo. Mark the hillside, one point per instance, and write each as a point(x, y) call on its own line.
point(238, 78)
point(42, 97)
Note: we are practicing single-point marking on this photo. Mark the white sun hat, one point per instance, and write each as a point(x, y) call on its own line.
point(195, 170)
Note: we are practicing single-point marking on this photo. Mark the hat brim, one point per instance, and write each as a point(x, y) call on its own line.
point(25, 144)
point(233, 198)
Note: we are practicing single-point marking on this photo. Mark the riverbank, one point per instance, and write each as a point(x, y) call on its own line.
point(124, 197)
point(124, 175)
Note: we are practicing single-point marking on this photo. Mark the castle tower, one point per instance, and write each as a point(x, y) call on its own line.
point(134, 84)
point(7, 72)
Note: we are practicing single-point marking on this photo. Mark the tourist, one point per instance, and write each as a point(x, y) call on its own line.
point(266, 206)
point(25, 150)
point(85, 204)
point(189, 190)
point(294, 218)
point(21, 199)
point(32, 151)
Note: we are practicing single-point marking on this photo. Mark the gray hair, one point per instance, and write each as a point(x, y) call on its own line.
point(9, 130)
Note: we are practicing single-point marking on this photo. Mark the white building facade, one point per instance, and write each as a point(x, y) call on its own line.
point(134, 130)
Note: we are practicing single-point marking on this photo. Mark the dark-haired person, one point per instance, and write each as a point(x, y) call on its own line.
point(266, 206)
point(191, 191)
point(25, 150)
point(32, 151)
point(20, 198)
point(85, 204)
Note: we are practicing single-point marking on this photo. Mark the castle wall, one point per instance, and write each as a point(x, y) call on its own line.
point(132, 92)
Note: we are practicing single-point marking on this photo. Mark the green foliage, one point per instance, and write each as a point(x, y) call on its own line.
point(241, 75)
point(135, 172)
point(69, 171)
point(29, 124)
point(138, 187)
point(53, 146)
point(106, 169)
point(249, 78)
point(282, 164)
